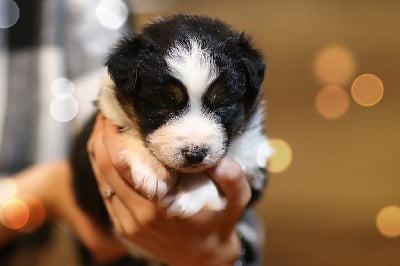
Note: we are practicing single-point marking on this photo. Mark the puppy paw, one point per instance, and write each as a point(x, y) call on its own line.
point(149, 176)
point(186, 201)
point(188, 204)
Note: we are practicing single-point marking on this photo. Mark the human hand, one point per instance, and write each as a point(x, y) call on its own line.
point(46, 191)
point(207, 238)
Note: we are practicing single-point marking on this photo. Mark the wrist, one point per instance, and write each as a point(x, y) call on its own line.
point(213, 251)
point(225, 253)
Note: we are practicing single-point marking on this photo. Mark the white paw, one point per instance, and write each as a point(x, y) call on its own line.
point(146, 181)
point(149, 176)
point(191, 197)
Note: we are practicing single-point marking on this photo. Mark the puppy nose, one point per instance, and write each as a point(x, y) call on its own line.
point(194, 155)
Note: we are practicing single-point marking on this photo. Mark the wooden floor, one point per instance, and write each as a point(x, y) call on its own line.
point(322, 209)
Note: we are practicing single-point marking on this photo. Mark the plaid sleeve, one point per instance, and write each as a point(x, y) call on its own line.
point(251, 234)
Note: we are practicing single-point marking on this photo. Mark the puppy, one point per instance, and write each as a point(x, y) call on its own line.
point(185, 92)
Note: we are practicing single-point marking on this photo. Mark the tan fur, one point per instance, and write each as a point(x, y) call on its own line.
point(149, 175)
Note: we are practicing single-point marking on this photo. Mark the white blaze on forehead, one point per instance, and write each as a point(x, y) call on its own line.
point(194, 67)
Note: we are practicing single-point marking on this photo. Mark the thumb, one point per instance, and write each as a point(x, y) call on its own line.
point(230, 178)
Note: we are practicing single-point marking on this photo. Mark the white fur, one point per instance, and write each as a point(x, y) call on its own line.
point(149, 175)
point(196, 191)
point(193, 193)
point(194, 67)
point(110, 106)
point(191, 129)
point(244, 149)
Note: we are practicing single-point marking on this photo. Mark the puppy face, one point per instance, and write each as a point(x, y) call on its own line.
point(190, 84)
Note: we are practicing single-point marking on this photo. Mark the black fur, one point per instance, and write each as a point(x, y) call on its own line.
point(144, 84)
point(138, 68)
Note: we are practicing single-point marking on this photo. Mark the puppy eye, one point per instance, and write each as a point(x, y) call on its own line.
point(171, 100)
point(176, 95)
point(216, 99)
point(218, 96)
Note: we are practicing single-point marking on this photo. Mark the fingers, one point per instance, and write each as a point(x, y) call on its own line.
point(93, 144)
point(125, 205)
point(96, 152)
point(100, 157)
point(106, 134)
point(114, 146)
point(231, 180)
point(128, 209)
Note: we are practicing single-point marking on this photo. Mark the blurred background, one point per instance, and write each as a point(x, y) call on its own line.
point(333, 97)
point(333, 117)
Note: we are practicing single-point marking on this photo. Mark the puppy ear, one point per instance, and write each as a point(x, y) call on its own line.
point(251, 60)
point(122, 63)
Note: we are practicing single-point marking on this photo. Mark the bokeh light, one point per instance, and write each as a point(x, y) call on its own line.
point(334, 65)
point(282, 157)
point(332, 102)
point(8, 189)
point(367, 90)
point(388, 221)
point(37, 212)
point(9, 13)
point(264, 151)
point(112, 14)
point(64, 108)
point(62, 86)
point(14, 213)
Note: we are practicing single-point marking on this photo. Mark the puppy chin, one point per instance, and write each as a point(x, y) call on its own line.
point(196, 168)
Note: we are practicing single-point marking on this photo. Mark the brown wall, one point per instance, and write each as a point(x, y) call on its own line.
point(322, 209)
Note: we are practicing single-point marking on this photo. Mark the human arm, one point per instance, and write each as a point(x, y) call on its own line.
point(207, 238)
point(50, 185)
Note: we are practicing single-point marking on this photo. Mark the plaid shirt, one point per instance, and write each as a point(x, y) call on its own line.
point(51, 39)
point(54, 39)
